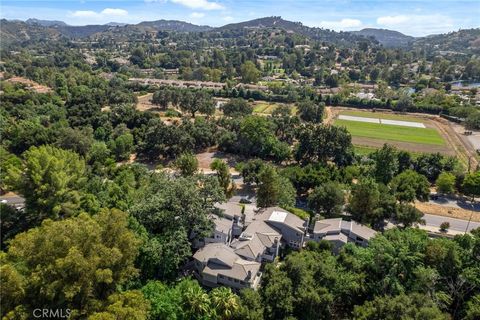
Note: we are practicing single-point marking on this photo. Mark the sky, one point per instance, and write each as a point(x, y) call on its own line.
point(415, 18)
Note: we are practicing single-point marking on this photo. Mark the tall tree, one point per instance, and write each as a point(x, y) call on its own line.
point(445, 182)
point(72, 264)
point(249, 72)
point(409, 185)
point(187, 163)
point(327, 199)
point(52, 182)
point(224, 177)
point(274, 189)
point(386, 163)
point(364, 201)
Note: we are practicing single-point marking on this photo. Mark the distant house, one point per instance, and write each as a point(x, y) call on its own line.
point(217, 264)
point(339, 232)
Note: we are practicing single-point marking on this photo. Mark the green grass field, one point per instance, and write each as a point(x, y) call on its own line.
point(392, 133)
point(381, 115)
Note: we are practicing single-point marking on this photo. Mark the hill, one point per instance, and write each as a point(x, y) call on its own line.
point(172, 25)
point(387, 38)
point(293, 27)
point(14, 31)
point(46, 23)
point(459, 42)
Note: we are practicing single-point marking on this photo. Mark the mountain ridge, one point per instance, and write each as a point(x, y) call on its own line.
point(22, 30)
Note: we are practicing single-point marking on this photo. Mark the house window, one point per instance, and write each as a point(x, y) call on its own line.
point(235, 280)
point(220, 276)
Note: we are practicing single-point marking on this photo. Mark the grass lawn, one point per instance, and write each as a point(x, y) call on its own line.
point(260, 108)
point(381, 115)
point(392, 132)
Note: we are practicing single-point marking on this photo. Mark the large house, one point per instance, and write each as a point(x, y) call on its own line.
point(234, 259)
point(218, 264)
point(339, 232)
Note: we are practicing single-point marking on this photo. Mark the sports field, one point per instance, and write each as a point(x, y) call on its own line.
point(387, 132)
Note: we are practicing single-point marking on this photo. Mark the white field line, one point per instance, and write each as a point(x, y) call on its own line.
point(383, 121)
point(403, 123)
point(361, 119)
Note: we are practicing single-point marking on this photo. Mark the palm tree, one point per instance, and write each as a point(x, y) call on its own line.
point(196, 301)
point(225, 302)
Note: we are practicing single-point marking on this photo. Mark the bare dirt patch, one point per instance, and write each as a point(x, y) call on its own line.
point(145, 102)
point(32, 85)
point(451, 212)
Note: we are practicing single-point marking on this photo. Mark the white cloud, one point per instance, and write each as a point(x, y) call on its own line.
point(343, 24)
point(114, 12)
point(200, 4)
point(197, 15)
point(84, 14)
point(392, 20)
point(416, 24)
point(104, 14)
point(227, 18)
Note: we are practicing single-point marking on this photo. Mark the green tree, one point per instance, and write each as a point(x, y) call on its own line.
point(407, 215)
point(364, 201)
point(386, 163)
point(320, 143)
point(274, 190)
point(277, 293)
point(327, 199)
point(471, 184)
point(124, 305)
point(225, 302)
point(415, 306)
point(195, 301)
point(251, 306)
point(249, 72)
point(10, 170)
point(445, 182)
point(52, 182)
point(187, 163)
point(311, 111)
point(251, 170)
point(123, 146)
point(75, 263)
point(224, 177)
point(409, 185)
point(165, 302)
point(237, 107)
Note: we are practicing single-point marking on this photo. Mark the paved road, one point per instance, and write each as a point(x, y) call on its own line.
point(455, 203)
point(455, 224)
